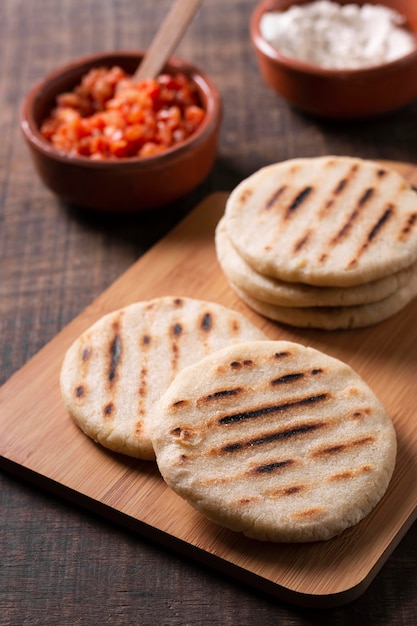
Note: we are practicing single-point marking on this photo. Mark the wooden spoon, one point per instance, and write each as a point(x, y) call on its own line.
point(167, 37)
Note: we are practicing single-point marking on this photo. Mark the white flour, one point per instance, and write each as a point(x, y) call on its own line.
point(339, 37)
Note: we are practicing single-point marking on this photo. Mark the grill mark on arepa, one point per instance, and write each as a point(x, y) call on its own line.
point(340, 186)
point(234, 326)
point(380, 223)
point(300, 243)
point(338, 189)
point(360, 414)
point(79, 391)
point(223, 393)
point(246, 501)
point(337, 448)
point(330, 202)
point(258, 471)
point(274, 408)
point(245, 195)
point(180, 403)
point(372, 234)
point(347, 226)
point(349, 474)
point(308, 513)
point(234, 366)
point(270, 468)
point(287, 378)
point(86, 355)
point(108, 410)
point(294, 376)
point(207, 322)
point(205, 325)
point(286, 491)
point(238, 364)
point(278, 493)
point(283, 434)
point(115, 354)
point(408, 227)
point(144, 345)
point(299, 199)
point(281, 355)
point(274, 198)
point(176, 331)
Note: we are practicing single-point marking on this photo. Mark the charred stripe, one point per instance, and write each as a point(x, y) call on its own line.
point(275, 196)
point(343, 447)
point(349, 474)
point(115, 354)
point(268, 468)
point(298, 200)
point(340, 186)
point(275, 408)
point(287, 378)
point(301, 242)
point(281, 355)
point(338, 190)
point(86, 353)
point(367, 194)
point(379, 224)
point(376, 228)
point(79, 391)
point(287, 433)
point(108, 410)
point(294, 376)
point(308, 513)
point(410, 223)
point(207, 322)
point(221, 394)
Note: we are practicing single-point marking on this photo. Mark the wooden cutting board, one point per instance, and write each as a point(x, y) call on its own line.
point(39, 442)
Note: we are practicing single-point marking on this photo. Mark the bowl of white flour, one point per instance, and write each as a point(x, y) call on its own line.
point(338, 59)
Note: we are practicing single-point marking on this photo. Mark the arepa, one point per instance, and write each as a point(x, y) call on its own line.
point(115, 372)
point(333, 317)
point(288, 294)
point(276, 440)
point(327, 221)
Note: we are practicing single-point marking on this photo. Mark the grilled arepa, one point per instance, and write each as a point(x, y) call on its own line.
point(275, 440)
point(336, 317)
point(289, 294)
point(328, 221)
point(114, 373)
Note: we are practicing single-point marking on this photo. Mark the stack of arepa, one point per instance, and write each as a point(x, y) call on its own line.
point(327, 242)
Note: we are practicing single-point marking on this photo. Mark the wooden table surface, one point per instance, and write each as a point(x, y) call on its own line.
point(60, 564)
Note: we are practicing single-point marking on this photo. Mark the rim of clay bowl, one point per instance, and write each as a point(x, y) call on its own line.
point(208, 91)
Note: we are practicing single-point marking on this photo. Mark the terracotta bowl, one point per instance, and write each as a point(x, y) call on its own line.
point(337, 93)
point(129, 184)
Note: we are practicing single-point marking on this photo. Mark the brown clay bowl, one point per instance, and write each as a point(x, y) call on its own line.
point(335, 93)
point(129, 184)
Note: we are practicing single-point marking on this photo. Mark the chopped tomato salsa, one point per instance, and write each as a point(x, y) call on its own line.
point(109, 116)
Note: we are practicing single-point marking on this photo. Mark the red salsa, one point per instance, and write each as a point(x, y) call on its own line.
point(109, 116)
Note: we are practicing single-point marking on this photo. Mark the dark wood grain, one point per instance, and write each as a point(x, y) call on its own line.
point(60, 564)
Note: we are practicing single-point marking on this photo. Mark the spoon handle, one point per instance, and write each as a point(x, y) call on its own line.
point(166, 38)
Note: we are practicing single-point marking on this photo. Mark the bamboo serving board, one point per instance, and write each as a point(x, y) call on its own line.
point(39, 442)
